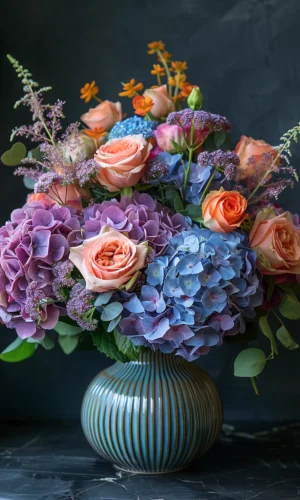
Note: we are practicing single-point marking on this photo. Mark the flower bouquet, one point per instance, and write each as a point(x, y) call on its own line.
point(152, 238)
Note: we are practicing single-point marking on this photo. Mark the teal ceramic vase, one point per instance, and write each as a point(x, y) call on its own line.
point(153, 415)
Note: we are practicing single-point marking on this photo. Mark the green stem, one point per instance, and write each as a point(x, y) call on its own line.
point(191, 150)
point(164, 63)
point(208, 185)
point(254, 385)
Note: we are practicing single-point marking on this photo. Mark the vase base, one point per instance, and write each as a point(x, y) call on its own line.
point(156, 473)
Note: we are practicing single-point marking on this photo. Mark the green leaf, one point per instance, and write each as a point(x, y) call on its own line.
point(194, 212)
point(219, 138)
point(111, 311)
point(171, 194)
point(18, 351)
point(28, 182)
point(178, 205)
point(126, 346)
point(267, 331)
point(286, 339)
point(36, 154)
point(14, 155)
point(249, 363)
point(105, 342)
point(290, 305)
point(68, 343)
point(126, 191)
point(47, 343)
point(65, 329)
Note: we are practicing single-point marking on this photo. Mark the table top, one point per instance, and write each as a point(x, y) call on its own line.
point(53, 461)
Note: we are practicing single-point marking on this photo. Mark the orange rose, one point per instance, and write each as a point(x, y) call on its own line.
point(276, 240)
point(104, 115)
point(42, 197)
point(224, 211)
point(247, 148)
point(108, 261)
point(162, 103)
point(122, 161)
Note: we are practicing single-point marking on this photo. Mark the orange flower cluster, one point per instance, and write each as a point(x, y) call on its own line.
point(142, 105)
point(95, 133)
point(155, 47)
point(158, 70)
point(88, 91)
point(131, 88)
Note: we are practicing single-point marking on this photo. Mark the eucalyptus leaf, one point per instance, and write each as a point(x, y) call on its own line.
point(267, 331)
point(14, 155)
point(103, 298)
point(65, 329)
point(28, 183)
point(178, 205)
point(249, 363)
point(219, 138)
point(47, 343)
point(286, 339)
point(111, 311)
point(17, 351)
point(68, 343)
point(290, 305)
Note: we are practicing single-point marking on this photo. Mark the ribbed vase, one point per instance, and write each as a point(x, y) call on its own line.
point(153, 415)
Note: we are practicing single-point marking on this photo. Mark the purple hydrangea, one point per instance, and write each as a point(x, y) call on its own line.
point(200, 119)
point(201, 290)
point(34, 240)
point(140, 216)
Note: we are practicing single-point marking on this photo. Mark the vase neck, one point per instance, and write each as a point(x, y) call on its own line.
point(150, 356)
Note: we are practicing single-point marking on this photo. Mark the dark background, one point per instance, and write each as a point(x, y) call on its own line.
point(244, 55)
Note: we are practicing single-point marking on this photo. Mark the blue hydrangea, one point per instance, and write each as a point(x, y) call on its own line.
point(201, 290)
point(198, 177)
point(131, 126)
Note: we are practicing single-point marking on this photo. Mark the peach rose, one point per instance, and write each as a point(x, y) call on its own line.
point(162, 103)
point(122, 161)
point(276, 240)
point(247, 148)
point(108, 261)
point(105, 115)
point(224, 211)
point(42, 197)
point(69, 195)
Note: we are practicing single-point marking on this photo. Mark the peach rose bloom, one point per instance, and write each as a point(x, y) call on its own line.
point(122, 161)
point(162, 103)
point(105, 115)
point(276, 240)
point(108, 261)
point(66, 195)
point(42, 197)
point(224, 211)
point(247, 148)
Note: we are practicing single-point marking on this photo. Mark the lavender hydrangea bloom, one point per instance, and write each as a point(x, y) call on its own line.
point(199, 291)
point(200, 119)
point(31, 243)
point(140, 216)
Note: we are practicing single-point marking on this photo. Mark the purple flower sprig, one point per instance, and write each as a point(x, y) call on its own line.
point(199, 119)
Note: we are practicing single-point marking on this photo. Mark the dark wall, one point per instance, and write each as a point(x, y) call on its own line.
point(244, 54)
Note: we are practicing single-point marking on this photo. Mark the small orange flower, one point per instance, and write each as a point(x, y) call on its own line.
point(186, 89)
point(89, 91)
point(158, 70)
point(155, 46)
point(95, 133)
point(179, 66)
point(130, 89)
point(165, 55)
point(178, 79)
point(142, 105)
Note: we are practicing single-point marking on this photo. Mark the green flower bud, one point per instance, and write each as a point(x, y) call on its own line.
point(195, 99)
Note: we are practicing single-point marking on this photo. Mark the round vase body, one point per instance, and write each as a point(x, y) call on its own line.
point(153, 415)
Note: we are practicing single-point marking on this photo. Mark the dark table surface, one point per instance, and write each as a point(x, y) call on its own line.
point(52, 461)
